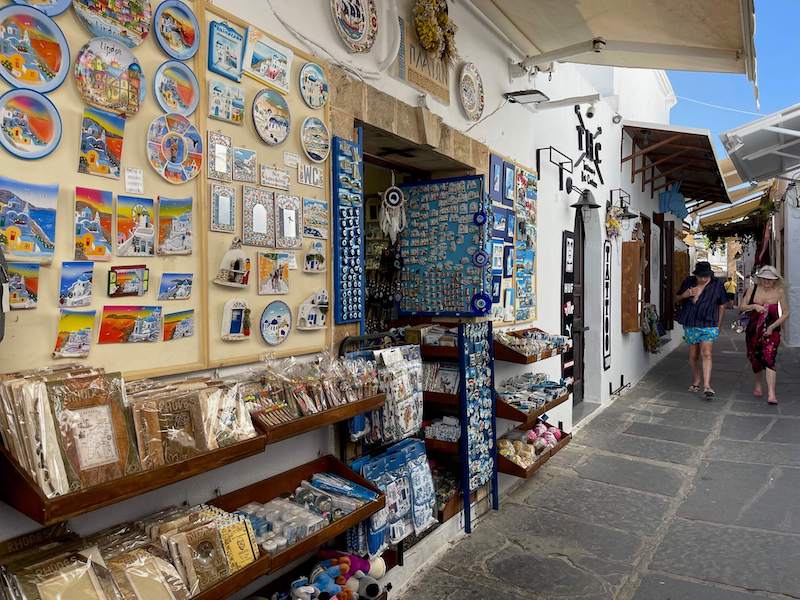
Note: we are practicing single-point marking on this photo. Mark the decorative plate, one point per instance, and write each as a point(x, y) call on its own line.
point(271, 117)
point(356, 22)
point(109, 77)
point(49, 7)
point(276, 322)
point(176, 29)
point(315, 139)
point(176, 88)
point(174, 148)
point(470, 91)
point(127, 21)
point(313, 85)
point(38, 53)
point(31, 125)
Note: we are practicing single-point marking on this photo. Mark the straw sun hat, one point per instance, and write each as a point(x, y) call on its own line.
point(768, 272)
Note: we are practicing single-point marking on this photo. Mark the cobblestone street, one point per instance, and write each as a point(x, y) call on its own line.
point(661, 496)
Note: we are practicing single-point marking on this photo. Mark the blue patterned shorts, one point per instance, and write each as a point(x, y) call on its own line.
point(695, 335)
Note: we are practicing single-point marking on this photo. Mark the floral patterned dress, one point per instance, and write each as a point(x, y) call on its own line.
point(763, 350)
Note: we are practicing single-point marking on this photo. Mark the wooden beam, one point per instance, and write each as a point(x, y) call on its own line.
point(651, 147)
point(664, 174)
point(672, 156)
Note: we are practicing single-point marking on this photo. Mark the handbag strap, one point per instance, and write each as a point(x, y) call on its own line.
point(753, 295)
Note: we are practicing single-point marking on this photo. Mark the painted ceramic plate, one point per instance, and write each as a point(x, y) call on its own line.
point(356, 21)
point(49, 7)
point(35, 51)
point(271, 117)
point(315, 139)
point(176, 88)
point(31, 125)
point(313, 85)
point(109, 77)
point(276, 322)
point(127, 21)
point(174, 148)
point(470, 91)
point(176, 29)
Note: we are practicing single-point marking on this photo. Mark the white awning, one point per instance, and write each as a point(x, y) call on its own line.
point(684, 35)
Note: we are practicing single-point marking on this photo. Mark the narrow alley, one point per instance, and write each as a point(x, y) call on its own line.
point(661, 496)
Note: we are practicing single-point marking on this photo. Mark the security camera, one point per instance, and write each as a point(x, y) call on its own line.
point(616, 119)
point(590, 111)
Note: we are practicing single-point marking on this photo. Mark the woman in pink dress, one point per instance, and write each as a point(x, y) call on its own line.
point(766, 303)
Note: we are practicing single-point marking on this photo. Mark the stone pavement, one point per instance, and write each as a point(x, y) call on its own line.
point(661, 496)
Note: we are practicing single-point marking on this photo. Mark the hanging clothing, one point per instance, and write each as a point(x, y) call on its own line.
point(762, 351)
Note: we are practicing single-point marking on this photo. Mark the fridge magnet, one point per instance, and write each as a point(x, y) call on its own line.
point(130, 324)
point(31, 126)
point(470, 91)
point(313, 85)
point(27, 220)
point(178, 325)
point(34, 50)
point(313, 312)
point(126, 21)
point(495, 178)
point(51, 8)
point(497, 284)
point(134, 180)
point(177, 30)
point(223, 208)
point(274, 178)
point(511, 223)
point(76, 284)
point(267, 61)
point(23, 285)
point(310, 175)
point(175, 286)
point(271, 117)
point(174, 226)
point(315, 258)
point(245, 165)
point(258, 217)
point(234, 268)
point(175, 88)
point(500, 225)
point(226, 102)
point(109, 77)
point(509, 173)
point(497, 257)
point(75, 333)
point(288, 216)
point(276, 322)
point(225, 50)
point(356, 22)
point(235, 320)
point(508, 261)
point(94, 211)
point(273, 273)
point(315, 218)
point(130, 280)
point(174, 148)
point(136, 232)
point(101, 143)
point(220, 156)
point(315, 139)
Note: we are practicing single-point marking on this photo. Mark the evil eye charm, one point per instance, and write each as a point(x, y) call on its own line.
point(481, 303)
point(393, 197)
point(479, 218)
point(480, 258)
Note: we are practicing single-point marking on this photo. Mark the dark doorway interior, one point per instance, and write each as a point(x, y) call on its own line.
point(578, 319)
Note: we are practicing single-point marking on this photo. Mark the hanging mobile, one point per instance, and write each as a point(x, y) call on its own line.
point(393, 215)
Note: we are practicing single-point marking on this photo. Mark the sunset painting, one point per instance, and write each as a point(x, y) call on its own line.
point(130, 324)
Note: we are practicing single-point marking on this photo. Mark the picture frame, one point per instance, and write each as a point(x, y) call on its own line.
point(128, 280)
point(511, 224)
point(495, 178)
point(225, 50)
point(220, 156)
point(288, 221)
point(258, 217)
point(500, 225)
point(508, 260)
point(223, 208)
point(497, 284)
point(245, 165)
point(497, 257)
point(509, 183)
point(267, 61)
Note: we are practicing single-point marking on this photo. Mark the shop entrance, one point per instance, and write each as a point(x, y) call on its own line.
point(579, 328)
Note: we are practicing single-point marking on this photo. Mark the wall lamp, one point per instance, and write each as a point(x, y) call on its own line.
point(557, 158)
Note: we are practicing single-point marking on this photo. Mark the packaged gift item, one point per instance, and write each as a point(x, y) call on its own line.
point(400, 378)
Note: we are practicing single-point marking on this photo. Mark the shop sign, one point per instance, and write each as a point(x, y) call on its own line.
point(418, 68)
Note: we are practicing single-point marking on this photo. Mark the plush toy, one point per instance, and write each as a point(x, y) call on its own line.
point(375, 566)
point(325, 579)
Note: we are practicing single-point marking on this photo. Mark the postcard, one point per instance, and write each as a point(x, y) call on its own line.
point(23, 285)
point(28, 220)
point(77, 279)
point(101, 143)
point(94, 214)
point(174, 225)
point(130, 324)
point(175, 286)
point(75, 333)
point(135, 226)
point(178, 325)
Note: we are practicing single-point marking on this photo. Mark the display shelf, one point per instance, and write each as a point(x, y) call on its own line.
point(526, 420)
point(454, 506)
point(504, 353)
point(441, 447)
point(439, 352)
point(20, 491)
point(323, 419)
point(440, 398)
point(279, 485)
point(509, 467)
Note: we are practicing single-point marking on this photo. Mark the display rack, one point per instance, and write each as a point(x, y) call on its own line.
point(526, 419)
point(504, 353)
point(438, 352)
point(509, 467)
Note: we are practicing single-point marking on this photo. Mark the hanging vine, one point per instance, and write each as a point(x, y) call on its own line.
point(747, 230)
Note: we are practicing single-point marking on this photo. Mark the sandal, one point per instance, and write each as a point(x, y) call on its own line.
point(694, 389)
point(773, 402)
point(709, 393)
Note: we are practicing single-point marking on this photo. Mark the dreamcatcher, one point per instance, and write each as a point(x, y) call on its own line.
point(392, 215)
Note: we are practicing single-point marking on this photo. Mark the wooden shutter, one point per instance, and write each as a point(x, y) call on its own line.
point(680, 271)
point(631, 281)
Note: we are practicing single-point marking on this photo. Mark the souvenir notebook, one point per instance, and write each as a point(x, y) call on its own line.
point(93, 431)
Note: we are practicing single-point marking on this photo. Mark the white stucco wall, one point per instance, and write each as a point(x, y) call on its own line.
point(791, 270)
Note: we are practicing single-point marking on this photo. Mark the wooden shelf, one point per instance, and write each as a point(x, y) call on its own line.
point(503, 352)
point(439, 352)
point(20, 491)
point(441, 447)
point(454, 506)
point(509, 467)
point(441, 398)
point(323, 419)
point(526, 420)
point(282, 484)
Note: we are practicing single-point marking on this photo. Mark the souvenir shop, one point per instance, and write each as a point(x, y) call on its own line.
point(289, 308)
